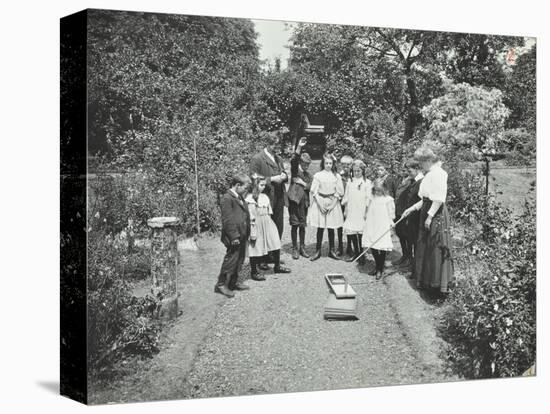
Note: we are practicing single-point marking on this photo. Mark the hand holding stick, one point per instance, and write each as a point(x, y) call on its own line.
point(376, 241)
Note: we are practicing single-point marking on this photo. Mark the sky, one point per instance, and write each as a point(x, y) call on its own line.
point(273, 36)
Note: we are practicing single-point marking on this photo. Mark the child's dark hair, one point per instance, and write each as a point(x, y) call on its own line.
point(328, 155)
point(239, 179)
point(380, 189)
point(412, 163)
point(256, 179)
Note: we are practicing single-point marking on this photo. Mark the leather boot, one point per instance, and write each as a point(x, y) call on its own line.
point(258, 277)
point(224, 291)
point(240, 286)
point(281, 269)
point(399, 262)
point(303, 252)
point(316, 256)
point(295, 253)
point(333, 255)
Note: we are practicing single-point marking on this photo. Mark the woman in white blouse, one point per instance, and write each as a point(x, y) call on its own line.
point(433, 261)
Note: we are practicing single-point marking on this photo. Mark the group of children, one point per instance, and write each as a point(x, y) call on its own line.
point(345, 202)
point(351, 204)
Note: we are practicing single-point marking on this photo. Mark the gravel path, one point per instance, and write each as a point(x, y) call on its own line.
point(273, 338)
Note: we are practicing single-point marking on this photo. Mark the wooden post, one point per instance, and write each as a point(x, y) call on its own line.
point(487, 172)
point(164, 264)
point(196, 185)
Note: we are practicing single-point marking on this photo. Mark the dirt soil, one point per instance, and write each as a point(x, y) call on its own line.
point(273, 338)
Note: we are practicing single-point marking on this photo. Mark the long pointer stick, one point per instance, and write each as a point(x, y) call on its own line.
point(376, 241)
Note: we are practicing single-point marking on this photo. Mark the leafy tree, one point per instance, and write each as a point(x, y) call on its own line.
point(477, 59)
point(156, 82)
point(521, 92)
point(397, 68)
point(467, 116)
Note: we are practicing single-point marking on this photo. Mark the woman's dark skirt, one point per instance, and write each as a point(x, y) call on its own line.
point(298, 212)
point(433, 260)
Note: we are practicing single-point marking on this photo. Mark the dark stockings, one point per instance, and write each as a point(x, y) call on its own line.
point(350, 242)
point(276, 254)
point(254, 261)
point(320, 238)
point(379, 258)
point(294, 235)
point(355, 241)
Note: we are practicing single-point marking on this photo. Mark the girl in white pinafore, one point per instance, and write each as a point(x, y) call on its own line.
point(264, 236)
point(357, 194)
point(378, 222)
point(325, 211)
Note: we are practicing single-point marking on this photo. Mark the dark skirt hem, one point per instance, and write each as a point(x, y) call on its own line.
point(433, 260)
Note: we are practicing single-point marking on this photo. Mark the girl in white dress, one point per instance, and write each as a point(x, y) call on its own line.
point(378, 221)
point(325, 211)
point(358, 192)
point(264, 236)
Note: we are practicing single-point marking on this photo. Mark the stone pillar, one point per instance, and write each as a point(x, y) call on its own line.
point(164, 264)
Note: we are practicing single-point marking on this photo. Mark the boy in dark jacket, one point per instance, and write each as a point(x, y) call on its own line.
point(235, 232)
point(406, 196)
point(298, 198)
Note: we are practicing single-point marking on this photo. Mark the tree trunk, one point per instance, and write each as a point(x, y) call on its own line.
point(412, 111)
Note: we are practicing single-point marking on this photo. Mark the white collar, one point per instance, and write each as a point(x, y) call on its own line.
point(234, 193)
point(436, 165)
point(269, 154)
point(419, 176)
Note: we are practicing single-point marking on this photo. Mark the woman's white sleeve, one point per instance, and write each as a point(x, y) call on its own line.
point(434, 207)
point(438, 187)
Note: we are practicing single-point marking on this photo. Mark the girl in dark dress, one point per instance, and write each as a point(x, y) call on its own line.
point(433, 260)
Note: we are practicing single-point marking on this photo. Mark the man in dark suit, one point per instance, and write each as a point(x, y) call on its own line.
point(235, 233)
point(268, 164)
